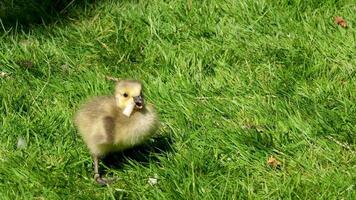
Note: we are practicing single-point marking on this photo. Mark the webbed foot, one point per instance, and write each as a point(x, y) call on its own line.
point(103, 181)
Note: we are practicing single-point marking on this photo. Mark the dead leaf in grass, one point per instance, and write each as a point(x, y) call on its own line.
point(21, 143)
point(110, 78)
point(153, 180)
point(25, 63)
point(4, 74)
point(340, 21)
point(65, 68)
point(273, 162)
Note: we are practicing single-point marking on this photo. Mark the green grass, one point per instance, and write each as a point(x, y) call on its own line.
point(234, 83)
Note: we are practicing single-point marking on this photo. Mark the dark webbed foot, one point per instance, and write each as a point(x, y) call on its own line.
point(102, 181)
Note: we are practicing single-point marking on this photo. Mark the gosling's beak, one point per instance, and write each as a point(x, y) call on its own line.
point(138, 101)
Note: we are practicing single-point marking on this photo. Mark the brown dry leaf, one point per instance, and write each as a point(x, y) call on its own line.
point(110, 78)
point(273, 162)
point(340, 21)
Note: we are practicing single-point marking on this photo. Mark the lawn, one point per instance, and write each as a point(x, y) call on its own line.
point(235, 83)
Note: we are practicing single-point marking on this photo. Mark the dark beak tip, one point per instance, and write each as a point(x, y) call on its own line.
point(138, 100)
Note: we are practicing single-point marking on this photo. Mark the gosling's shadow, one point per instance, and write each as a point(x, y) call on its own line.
point(142, 154)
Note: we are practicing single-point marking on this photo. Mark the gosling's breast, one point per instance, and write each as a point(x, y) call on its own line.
point(139, 127)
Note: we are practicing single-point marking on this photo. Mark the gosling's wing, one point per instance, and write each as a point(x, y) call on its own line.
point(109, 128)
point(89, 116)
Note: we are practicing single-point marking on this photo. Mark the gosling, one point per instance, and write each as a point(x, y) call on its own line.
point(115, 123)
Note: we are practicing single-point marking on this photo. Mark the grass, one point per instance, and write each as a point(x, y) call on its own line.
point(235, 82)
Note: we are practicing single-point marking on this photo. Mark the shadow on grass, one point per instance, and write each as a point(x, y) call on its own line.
point(142, 154)
point(24, 14)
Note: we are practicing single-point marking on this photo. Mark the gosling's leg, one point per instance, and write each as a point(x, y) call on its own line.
point(97, 177)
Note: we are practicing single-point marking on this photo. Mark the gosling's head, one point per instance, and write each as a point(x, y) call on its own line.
point(128, 94)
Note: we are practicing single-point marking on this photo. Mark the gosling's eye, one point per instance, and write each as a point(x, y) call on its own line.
point(125, 95)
